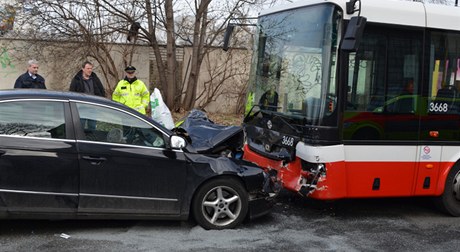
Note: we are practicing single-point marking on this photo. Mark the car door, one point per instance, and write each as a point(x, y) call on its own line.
point(38, 158)
point(125, 164)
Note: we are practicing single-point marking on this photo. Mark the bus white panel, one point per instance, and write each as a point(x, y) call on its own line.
point(394, 12)
point(443, 17)
point(450, 153)
point(320, 154)
point(377, 153)
point(380, 153)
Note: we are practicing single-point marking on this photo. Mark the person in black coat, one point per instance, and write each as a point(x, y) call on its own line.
point(30, 79)
point(85, 81)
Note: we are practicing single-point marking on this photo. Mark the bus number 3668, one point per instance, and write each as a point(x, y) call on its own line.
point(438, 107)
point(288, 141)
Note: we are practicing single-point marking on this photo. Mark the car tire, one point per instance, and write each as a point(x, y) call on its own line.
point(220, 204)
point(449, 201)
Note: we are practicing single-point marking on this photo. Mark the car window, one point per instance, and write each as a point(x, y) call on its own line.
point(103, 124)
point(33, 119)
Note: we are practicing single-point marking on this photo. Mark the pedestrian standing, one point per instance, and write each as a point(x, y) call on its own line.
point(31, 78)
point(86, 81)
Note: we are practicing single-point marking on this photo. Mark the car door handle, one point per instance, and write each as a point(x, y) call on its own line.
point(95, 160)
point(2, 152)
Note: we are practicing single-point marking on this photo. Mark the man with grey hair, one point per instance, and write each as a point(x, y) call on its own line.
point(30, 79)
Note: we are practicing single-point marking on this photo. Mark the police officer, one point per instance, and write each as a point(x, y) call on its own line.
point(132, 92)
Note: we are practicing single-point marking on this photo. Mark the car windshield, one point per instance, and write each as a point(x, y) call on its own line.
point(294, 63)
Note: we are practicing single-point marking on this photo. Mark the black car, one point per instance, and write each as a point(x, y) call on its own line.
point(69, 155)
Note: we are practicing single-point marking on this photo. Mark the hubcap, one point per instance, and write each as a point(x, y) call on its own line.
point(221, 206)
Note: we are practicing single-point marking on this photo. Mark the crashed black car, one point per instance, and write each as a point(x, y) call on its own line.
point(68, 155)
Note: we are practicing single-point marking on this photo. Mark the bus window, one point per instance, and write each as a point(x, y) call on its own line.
point(384, 86)
point(444, 72)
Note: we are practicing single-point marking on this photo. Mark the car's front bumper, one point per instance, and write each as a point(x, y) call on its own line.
point(259, 206)
point(261, 203)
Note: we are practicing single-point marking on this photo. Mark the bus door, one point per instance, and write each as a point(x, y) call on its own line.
point(440, 126)
point(382, 113)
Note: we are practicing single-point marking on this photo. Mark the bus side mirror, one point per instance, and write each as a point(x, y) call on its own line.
point(227, 36)
point(353, 34)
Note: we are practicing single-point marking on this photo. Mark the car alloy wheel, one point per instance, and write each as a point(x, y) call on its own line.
point(220, 204)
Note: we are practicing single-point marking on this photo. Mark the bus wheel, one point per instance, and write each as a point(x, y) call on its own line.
point(449, 201)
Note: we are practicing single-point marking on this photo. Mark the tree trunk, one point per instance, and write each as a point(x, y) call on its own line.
point(170, 89)
point(199, 34)
point(155, 47)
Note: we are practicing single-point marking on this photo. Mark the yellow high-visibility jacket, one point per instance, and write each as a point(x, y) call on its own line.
point(134, 95)
point(249, 103)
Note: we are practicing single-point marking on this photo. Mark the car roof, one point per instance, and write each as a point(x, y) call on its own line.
point(27, 93)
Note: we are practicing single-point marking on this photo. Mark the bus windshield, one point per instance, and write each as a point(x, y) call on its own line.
point(294, 64)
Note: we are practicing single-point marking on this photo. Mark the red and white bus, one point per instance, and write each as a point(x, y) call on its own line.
point(358, 99)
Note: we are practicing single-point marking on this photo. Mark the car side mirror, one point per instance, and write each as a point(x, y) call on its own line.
point(177, 142)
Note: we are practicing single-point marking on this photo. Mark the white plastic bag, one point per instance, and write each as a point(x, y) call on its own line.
point(160, 112)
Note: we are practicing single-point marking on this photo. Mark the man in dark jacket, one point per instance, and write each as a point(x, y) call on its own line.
point(30, 79)
point(85, 81)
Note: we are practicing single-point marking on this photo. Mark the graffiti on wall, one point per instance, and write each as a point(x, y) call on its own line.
point(6, 65)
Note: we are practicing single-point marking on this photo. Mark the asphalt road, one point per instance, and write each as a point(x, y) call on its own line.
point(295, 224)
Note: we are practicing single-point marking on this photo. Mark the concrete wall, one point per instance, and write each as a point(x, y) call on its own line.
point(58, 66)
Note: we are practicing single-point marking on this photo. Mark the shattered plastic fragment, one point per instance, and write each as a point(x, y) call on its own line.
point(65, 236)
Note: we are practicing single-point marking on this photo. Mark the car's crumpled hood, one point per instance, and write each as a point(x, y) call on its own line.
point(207, 137)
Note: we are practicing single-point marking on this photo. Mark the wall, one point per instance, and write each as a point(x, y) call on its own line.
point(58, 66)
point(9, 68)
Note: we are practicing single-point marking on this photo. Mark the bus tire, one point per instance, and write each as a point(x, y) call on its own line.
point(449, 201)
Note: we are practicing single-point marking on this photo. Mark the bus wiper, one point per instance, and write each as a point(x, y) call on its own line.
point(286, 122)
point(249, 115)
point(271, 114)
